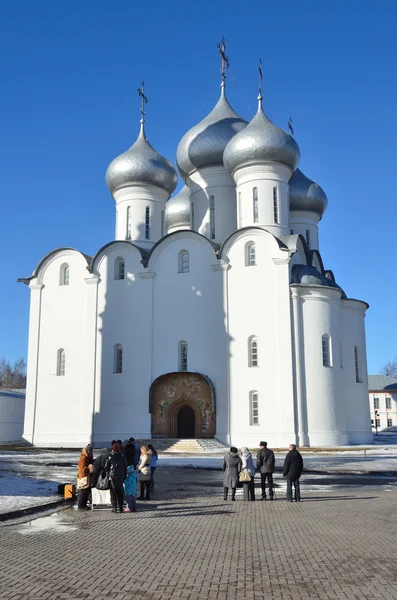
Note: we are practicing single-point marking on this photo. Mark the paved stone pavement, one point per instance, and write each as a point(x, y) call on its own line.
point(188, 543)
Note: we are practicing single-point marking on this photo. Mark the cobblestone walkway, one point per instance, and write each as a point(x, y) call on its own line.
point(189, 543)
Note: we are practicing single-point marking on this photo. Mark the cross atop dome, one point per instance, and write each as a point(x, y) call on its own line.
point(141, 94)
point(224, 60)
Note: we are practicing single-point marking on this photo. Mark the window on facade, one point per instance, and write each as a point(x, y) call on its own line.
point(118, 359)
point(192, 216)
point(308, 238)
point(356, 364)
point(250, 254)
point(119, 268)
point(326, 348)
point(255, 204)
point(162, 223)
point(254, 408)
point(61, 362)
point(147, 223)
point(388, 402)
point(376, 403)
point(183, 261)
point(275, 205)
point(183, 356)
point(377, 423)
point(212, 217)
point(240, 216)
point(128, 232)
point(64, 274)
point(390, 422)
point(253, 351)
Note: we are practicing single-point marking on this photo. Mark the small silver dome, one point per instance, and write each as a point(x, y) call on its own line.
point(203, 145)
point(305, 194)
point(141, 164)
point(261, 141)
point(177, 210)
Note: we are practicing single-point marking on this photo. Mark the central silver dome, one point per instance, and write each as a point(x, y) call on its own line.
point(203, 145)
point(177, 210)
point(305, 194)
point(261, 141)
point(141, 164)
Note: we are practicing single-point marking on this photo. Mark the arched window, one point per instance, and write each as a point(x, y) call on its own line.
point(253, 351)
point(162, 223)
point(64, 275)
point(192, 216)
point(240, 216)
point(255, 204)
point(250, 254)
point(326, 349)
point(356, 364)
point(128, 232)
point(147, 223)
point(183, 261)
point(308, 238)
point(212, 217)
point(118, 359)
point(61, 362)
point(183, 356)
point(254, 408)
point(119, 268)
point(275, 205)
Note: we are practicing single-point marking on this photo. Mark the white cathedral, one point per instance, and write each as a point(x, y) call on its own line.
point(210, 315)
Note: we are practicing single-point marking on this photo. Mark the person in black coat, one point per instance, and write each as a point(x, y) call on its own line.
point(116, 466)
point(99, 465)
point(293, 467)
point(265, 462)
point(130, 452)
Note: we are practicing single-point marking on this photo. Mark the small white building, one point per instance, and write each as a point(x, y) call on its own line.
point(383, 401)
point(210, 314)
point(12, 410)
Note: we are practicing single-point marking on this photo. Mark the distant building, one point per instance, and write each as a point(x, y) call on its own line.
point(383, 401)
point(12, 409)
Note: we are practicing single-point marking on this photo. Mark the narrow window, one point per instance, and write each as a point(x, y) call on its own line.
point(192, 218)
point(376, 402)
point(61, 362)
point(377, 423)
point(308, 238)
point(183, 261)
point(253, 351)
point(118, 359)
point(128, 232)
point(147, 223)
point(64, 275)
point(275, 205)
point(250, 254)
point(389, 422)
point(240, 216)
point(388, 402)
point(162, 223)
point(119, 268)
point(356, 364)
point(254, 408)
point(255, 202)
point(183, 356)
point(291, 231)
point(326, 345)
point(212, 217)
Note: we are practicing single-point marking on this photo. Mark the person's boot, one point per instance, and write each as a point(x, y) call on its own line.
point(114, 509)
point(225, 492)
point(233, 494)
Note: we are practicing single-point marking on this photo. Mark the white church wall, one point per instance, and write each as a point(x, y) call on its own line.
point(258, 302)
point(124, 318)
point(190, 307)
point(55, 404)
point(12, 409)
point(300, 222)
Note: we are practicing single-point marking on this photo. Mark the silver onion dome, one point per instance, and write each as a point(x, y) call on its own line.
point(141, 164)
point(261, 141)
point(305, 194)
point(177, 210)
point(203, 145)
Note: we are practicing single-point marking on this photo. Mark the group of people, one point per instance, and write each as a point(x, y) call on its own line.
point(239, 470)
point(118, 469)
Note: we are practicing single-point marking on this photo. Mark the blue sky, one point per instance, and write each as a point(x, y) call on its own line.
point(68, 105)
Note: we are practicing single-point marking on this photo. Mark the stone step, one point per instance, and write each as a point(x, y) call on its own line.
point(188, 446)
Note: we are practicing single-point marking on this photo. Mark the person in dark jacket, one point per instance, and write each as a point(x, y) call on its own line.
point(130, 452)
point(265, 464)
point(116, 466)
point(232, 467)
point(99, 465)
point(293, 467)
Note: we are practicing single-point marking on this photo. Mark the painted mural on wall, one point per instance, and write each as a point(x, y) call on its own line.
point(171, 392)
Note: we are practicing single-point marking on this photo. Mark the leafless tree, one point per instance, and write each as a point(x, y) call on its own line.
point(390, 368)
point(12, 377)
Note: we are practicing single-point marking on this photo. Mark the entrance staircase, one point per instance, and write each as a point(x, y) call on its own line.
point(186, 446)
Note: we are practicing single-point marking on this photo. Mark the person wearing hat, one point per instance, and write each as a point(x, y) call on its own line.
point(293, 467)
point(232, 467)
point(265, 464)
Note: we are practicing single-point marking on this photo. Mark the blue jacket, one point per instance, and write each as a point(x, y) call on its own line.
point(153, 461)
point(130, 482)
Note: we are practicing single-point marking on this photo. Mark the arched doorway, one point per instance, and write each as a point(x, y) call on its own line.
point(186, 426)
point(182, 405)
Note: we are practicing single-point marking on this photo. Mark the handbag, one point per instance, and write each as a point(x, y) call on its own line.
point(83, 483)
point(245, 476)
point(103, 481)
